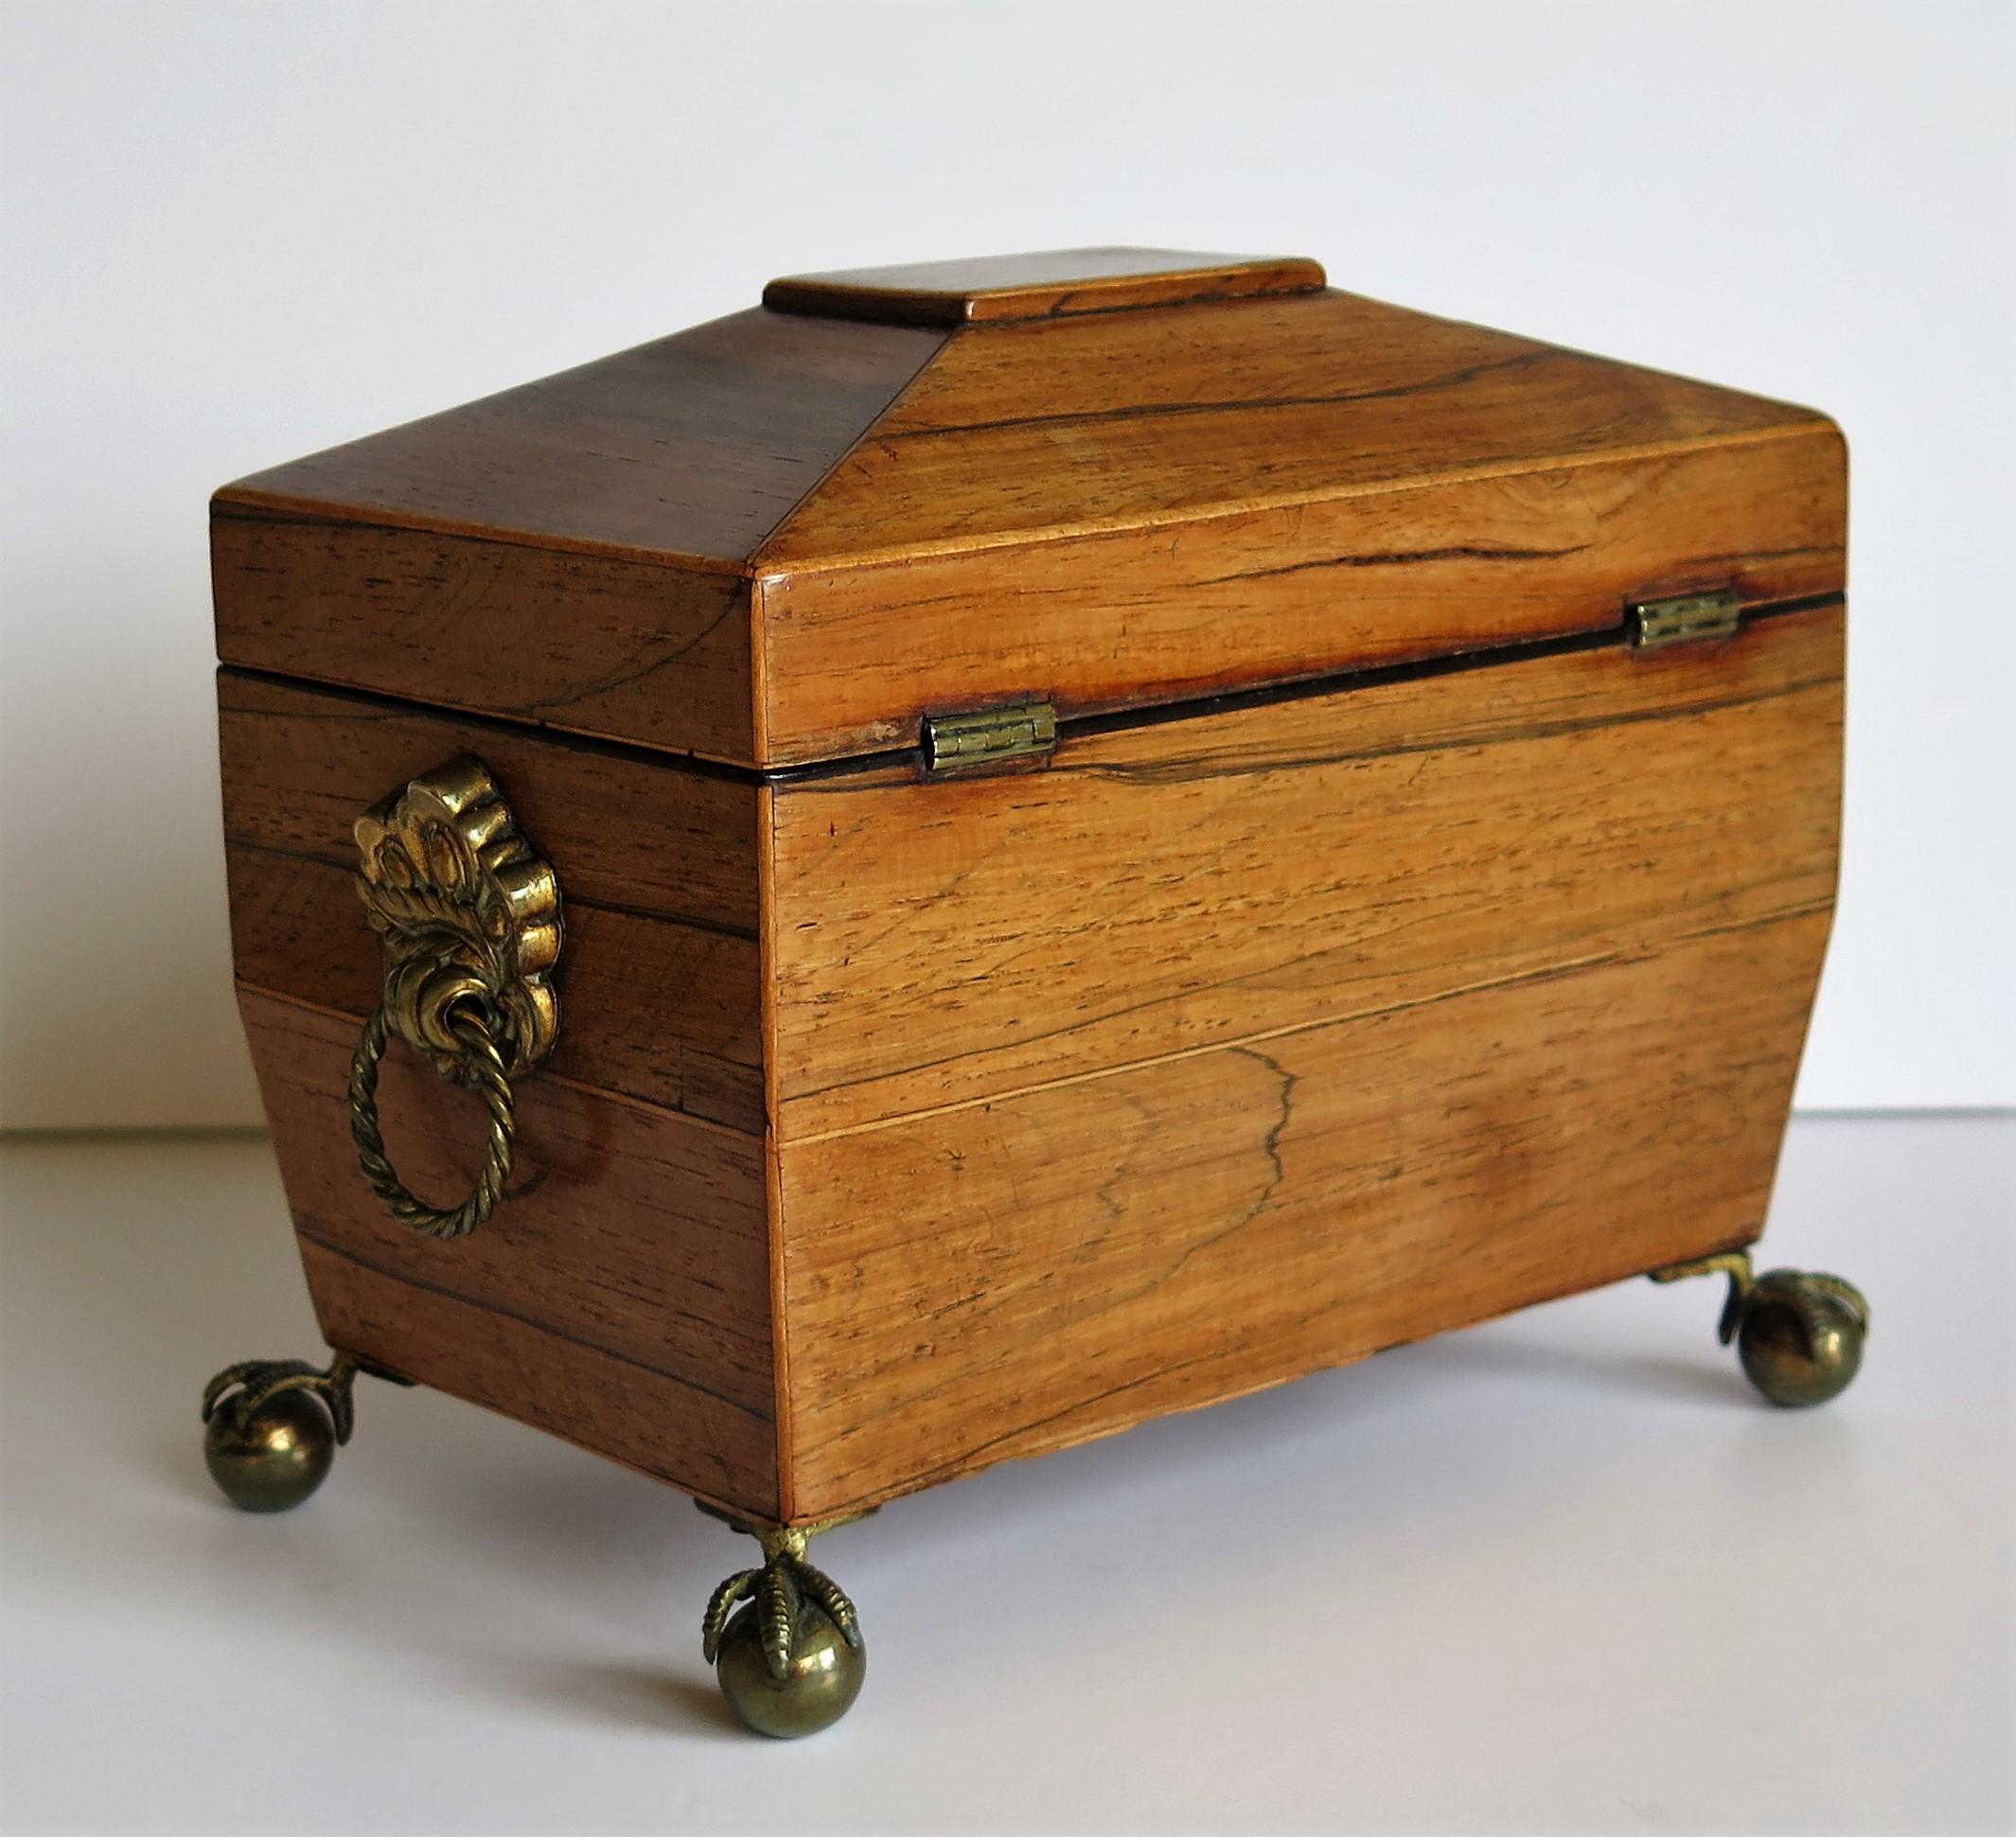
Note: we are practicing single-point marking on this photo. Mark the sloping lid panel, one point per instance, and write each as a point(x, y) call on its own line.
point(689, 449)
point(1049, 428)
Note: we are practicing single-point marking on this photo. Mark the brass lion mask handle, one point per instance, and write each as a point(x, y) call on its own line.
point(469, 917)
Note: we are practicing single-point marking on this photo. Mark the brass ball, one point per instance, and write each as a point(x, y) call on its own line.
point(1801, 1345)
point(275, 1458)
point(819, 1685)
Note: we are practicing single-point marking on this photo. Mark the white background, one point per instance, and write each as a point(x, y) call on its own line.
point(1561, 1576)
point(236, 232)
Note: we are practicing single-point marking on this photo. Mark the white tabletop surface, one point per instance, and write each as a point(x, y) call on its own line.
point(1559, 1574)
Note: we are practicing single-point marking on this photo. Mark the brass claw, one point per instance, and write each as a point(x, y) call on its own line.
point(272, 1428)
point(785, 1641)
point(1799, 1333)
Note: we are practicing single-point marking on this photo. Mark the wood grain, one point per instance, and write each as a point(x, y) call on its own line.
point(655, 1010)
point(1011, 1278)
point(1117, 420)
point(594, 645)
point(1174, 886)
point(613, 1407)
point(620, 1296)
point(689, 449)
point(573, 552)
point(853, 657)
point(1053, 284)
point(628, 830)
point(661, 990)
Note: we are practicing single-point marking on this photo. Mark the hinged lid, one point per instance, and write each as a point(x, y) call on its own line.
point(1099, 480)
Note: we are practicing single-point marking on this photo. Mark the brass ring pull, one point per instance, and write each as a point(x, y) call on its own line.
point(471, 920)
point(485, 1074)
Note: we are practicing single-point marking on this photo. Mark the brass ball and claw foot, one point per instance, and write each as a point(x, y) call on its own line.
point(1800, 1335)
point(790, 1660)
point(272, 1428)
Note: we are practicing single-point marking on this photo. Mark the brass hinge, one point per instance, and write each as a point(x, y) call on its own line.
point(963, 742)
point(1684, 620)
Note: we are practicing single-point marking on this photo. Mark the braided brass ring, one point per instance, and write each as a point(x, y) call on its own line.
point(482, 1070)
point(470, 918)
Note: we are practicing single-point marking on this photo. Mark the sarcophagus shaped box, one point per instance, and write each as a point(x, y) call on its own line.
point(978, 853)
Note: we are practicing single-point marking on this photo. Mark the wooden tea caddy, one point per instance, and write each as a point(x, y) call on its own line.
point(986, 852)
